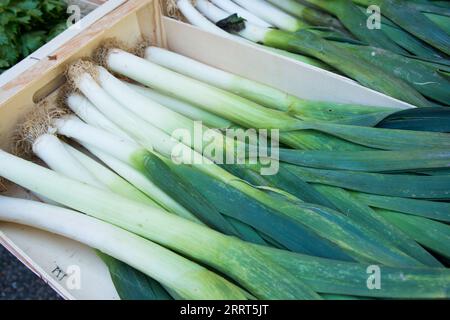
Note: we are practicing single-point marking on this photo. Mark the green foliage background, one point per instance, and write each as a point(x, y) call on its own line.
point(26, 25)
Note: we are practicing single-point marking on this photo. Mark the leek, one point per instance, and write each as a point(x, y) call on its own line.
point(216, 192)
point(156, 114)
point(57, 156)
point(108, 178)
point(52, 151)
point(210, 218)
point(260, 93)
point(143, 184)
point(209, 169)
point(124, 100)
point(195, 18)
point(74, 164)
point(157, 262)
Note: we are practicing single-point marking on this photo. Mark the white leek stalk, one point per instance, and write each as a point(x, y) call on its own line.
point(52, 151)
point(209, 12)
point(72, 127)
point(196, 19)
point(152, 112)
point(188, 279)
point(212, 12)
point(84, 109)
point(145, 133)
point(72, 163)
point(142, 131)
point(251, 31)
point(232, 8)
point(49, 149)
point(273, 15)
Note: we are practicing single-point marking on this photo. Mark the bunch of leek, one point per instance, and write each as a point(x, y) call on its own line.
point(312, 217)
point(157, 262)
point(374, 137)
point(328, 200)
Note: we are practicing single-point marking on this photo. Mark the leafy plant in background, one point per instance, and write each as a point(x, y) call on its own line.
point(26, 25)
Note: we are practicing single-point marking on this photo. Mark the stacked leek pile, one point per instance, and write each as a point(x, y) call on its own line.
point(347, 194)
point(403, 53)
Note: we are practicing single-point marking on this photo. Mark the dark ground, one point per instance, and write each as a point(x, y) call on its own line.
point(19, 283)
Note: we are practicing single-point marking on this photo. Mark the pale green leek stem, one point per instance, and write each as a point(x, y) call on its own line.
point(188, 279)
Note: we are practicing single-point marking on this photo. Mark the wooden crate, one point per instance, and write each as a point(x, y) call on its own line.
point(48, 255)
